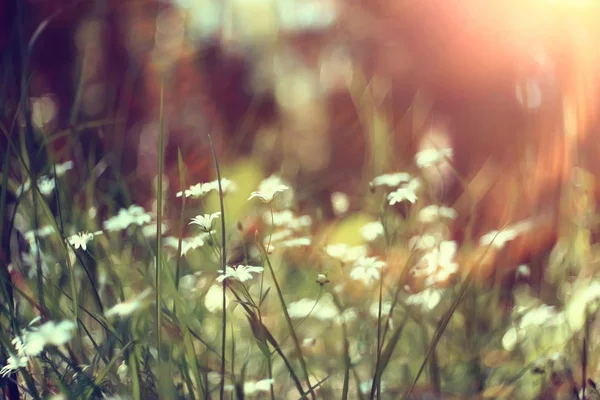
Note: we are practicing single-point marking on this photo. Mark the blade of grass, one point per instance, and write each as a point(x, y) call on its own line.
point(223, 268)
point(159, 263)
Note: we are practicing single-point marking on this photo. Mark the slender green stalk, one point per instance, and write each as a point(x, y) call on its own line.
point(223, 267)
point(159, 208)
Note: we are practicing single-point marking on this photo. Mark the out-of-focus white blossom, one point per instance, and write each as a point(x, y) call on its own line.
point(32, 341)
point(437, 265)
point(428, 299)
point(200, 190)
point(13, 364)
point(372, 231)
point(432, 156)
point(127, 308)
point(61, 169)
point(367, 270)
point(268, 189)
point(391, 180)
point(286, 218)
point(407, 192)
point(346, 253)
point(433, 213)
point(324, 309)
point(134, 215)
point(340, 203)
point(46, 185)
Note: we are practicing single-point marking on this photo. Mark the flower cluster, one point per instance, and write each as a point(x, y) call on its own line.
point(200, 190)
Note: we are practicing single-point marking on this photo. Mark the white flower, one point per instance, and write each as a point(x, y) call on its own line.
point(205, 221)
point(134, 215)
point(432, 156)
point(386, 306)
point(498, 239)
point(322, 279)
point(288, 219)
point(82, 239)
point(407, 192)
point(240, 273)
point(127, 308)
point(296, 242)
point(346, 253)
point(432, 213)
point(531, 320)
point(585, 299)
point(32, 341)
point(372, 231)
point(367, 269)
point(61, 169)
point(197, 190)
point(187, 244)
point(46, 185)
point(340, 203)
point(268, 188)
point(264, 385)
point(13, 363)
point(202, 189)
point(324, 309)
point(123, 372)
point(423, 242)
point(391, 180)
point(437, 265)
point(428, 299)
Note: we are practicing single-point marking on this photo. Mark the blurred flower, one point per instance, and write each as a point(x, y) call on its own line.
point(187, 244)
point(288, 219)
point(127, 308)
point(438, 264)
point(432, 213)
point(346, 253)
point(428, 299)
point(431, 156)
point(134, 215)
point(340, 203)
point(372, 231)
point(240, 273)
point(529, 324)
point(251, 387)
point(296, 242)
point(322, 279)
point(391, 180)
point(123, 372)
point(13, 363)
point(584, 302)
point(82, 239)
point(407, 192)
point(213, 300)
point(33, 340)
point(46, 185)
point(268, 188)
point(323, 309)
point(498, 239)
point(202, 189)
point(205, 221)
point(367, 269)
point(61, 169)
point(423, 242)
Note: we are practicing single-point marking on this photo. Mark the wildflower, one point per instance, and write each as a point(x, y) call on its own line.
point(268, 188)
point(438, 264)
point(13, 363)
point(240, 273)
point(391, 180)
point(323, 309)
point(322, 279)
point(531, 319)
point(296, 242)
point(61, 169)
point(432, 213)
point(585, 300)
point(406, 192)
point(264, 385)
point(372, 231)
point(123, 372)
point(82, 239)
point(288, 219)
point(428, 298)
point(386, 306)
point(523, 271)
point(345, 253)
point(340, 203)
point(46, 185)
point(197, 190)
point(205, 221)
point(32, 341)
point(150, 231)
point(432, 156)
point(213, 300)
point(127, 308)
point(423, 242)
point(188, 244)
point(367, 269)
point(134, 215)
point(498, 239)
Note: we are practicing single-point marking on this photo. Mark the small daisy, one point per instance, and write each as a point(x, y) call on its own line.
point(205, 221)
point(367, 269)
point(268, 189)
point(372, 231)
point(134, 215)
point(402, 194)
point(127, 308)
point(13, 363)
point(346, 253)
point(433, 213)
point(240, 273)
point(432, 156)
point(197, 190)
point(61, 169)
point(391, 180)
point(82, 239)
point(46, 185)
